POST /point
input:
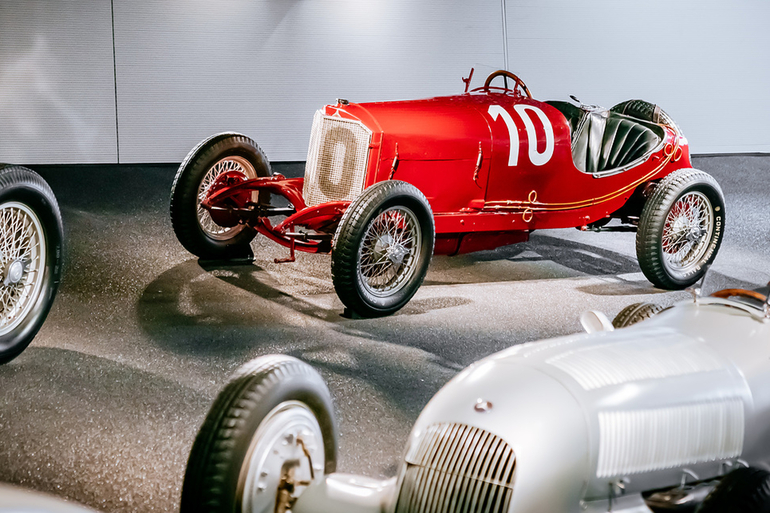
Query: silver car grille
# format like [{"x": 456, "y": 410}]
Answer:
[
  {"x": 336, "y": 160},
  {"x": 455, "y": 468}
]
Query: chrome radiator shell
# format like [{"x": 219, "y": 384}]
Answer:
[
  {"x": 456, "y": 468},
  {"x": 337, "y": 158}
]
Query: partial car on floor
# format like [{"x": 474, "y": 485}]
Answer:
[
  {"x": 31, "y": 236},
  {"x": 671, "y": 407},
  {"x": 389, "y": 184}
]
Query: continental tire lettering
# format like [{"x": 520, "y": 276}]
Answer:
[
  {"x": 537, "y": 159},
  {"x": 715, "y": 240},
  {"x": 513, "y": 132}
]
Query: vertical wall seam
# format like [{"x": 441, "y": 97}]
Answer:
[
  {"x": 505, "y": 34},
  {"x": 115, "y": 80}
]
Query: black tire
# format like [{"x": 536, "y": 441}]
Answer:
[
  {"x": 677, "y": 190},
  {"x": 352, "y": 246},
  {"x": 195, "y": 230},
  {"x": 744, "y": 490},
  {"x": 634, "y": 313},
  {"x": 216, "y": 473},
  {"x": 26, "y": 295}
]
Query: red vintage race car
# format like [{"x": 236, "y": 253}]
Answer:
[{"x": 388, "y": 184}]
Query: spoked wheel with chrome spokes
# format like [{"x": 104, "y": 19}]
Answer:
[
  {"x": 389, "y": 252},
  {"x": 22, "y": 257},
  {"x": 687, "y": 231},
  {"x": 228, "y": 164},
  {"x": 382, "y": 249},
  {"x": 680, "y": 229},
  {"x": 30, "y": 257},
  {"x": 270, "y": 434},
  {"x": 232, "y": 154}
]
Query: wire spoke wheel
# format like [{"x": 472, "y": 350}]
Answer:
[
  {"x": 22, "y": 262},
  {"x": 680, "y": 229},
  {"x": 224, "y": 165},
  {"x": 389, "y": 251},
  {"x": 687, "y": 232},
  {"x": 382, "y": 248},
  {"x": 193, "y": 225}
]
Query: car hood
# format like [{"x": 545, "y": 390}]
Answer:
[
  {"x": 421, "y": 126},
  {"x": 641, "y": 402}
]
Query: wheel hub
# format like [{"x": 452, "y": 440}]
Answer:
[
  {"x": 695, "y": 234},
  {"x": 14, "y": 273},
  {"x": 387, "y": 248}
]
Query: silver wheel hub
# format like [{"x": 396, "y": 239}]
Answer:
[
  {"x": 13, "y": 273},
  {"x": 286, "y": 455}
]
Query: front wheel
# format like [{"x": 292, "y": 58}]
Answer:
[
  {"x": 382, "y": 249},
  {"x": 680, "y": 229},
  {"x": 193, "y": 225},
  {"x": 31, "y": 236},
  {"x": 744, "y": 490},
  {"x": 269, "y": 435}
]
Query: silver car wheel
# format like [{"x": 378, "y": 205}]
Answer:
[
  {"x": 225, "y": 165},
  {"x": 283, "y": 449},
  {"x": 687, "y": 232},
  {"x": 22, "y": 261},
  {"x": 389, "y": 251}
]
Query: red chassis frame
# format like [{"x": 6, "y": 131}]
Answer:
[{"x": 487, "y": 204}]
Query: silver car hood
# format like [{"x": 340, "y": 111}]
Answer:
[{"x": 637, "y": 404}]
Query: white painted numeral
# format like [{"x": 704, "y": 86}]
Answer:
[
  {"x": 537, "y": 158},
  {"x": 513, "y": 132}
]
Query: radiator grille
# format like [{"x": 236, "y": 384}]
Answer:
[
  {"x": 336, "y": 160},
  {"x": 455, "y": 468},
  {"x": 646, "y": 440}
]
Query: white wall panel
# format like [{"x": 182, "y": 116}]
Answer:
[
  {"x": 189, "y": 68},
  {"x": 706, "y": 62},
  {"x": 186, "y": 69},
  {"x": 57, "y": 96}
]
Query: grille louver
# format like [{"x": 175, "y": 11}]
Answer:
[
  {"x": 456, "y": 468},
  {"x": 336, "y": 160}
]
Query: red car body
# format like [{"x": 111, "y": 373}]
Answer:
[
  {"x": 389, "y": 184},
  {"x": 494, "y": 166}
]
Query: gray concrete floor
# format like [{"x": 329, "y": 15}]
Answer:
[{"x": 103, "y": 407}]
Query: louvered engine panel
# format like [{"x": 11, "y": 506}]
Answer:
[
  {"x": 454, "y": 468},
  {"x": 336, "y": 160},
  {"x": 646, "y": 440}
]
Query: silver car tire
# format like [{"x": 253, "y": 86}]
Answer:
[{"x": 270, "y": 432}]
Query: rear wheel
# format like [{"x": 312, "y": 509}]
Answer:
[
  {"x": 744, "y": 490},
  {"x": 31, "y": 237},
  {"x": 634, "y": 313},
  {"x": 193, "y": 225},
  {"x": 383, "y": 247},
  {"x": 269, "y": 435},
  {"x": 680, "y": 229}
]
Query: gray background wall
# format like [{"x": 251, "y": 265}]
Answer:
[{"x": 100, "y": 81}]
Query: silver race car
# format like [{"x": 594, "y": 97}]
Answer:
[{"x": 654, "y": 416}]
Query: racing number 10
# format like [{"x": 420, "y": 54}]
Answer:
[{"x": 537, "y": 158}]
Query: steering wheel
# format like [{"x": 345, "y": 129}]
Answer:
[
  {"x": 519, "y": 83},
  {"x": 724, "y": 294}
]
